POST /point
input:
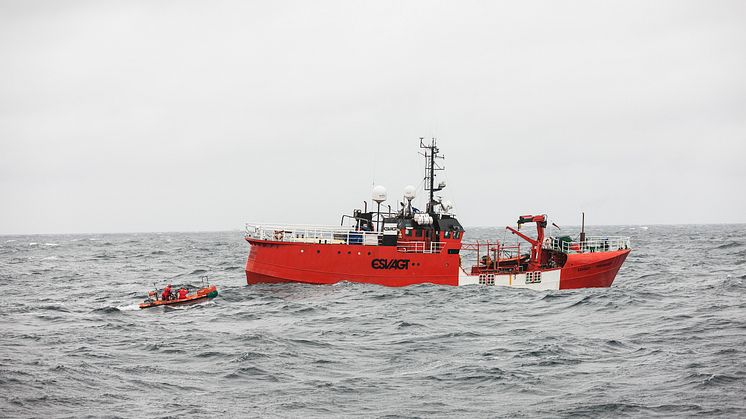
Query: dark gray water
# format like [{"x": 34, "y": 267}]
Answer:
[{"x": 668, "y": 338}]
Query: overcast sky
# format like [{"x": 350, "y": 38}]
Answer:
[{"x": 121, "y": 116}]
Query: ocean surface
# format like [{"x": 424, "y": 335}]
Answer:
[{"x": 667, "y": 339}]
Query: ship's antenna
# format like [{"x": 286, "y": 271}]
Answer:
[{"x": 431, "y": 153}]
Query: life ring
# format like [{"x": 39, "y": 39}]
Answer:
[{"x": 279, "y": 234}]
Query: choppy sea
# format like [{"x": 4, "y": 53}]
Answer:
[{"x": 667, "y": 339}]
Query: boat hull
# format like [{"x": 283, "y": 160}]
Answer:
[
  {"x": 201, "y": 295},
  {"x": 273, "y": 262},
  {"x": 582, "y": 270},
  {"x": 279, "y": 262},
  {"x": 592, "y": 270}
]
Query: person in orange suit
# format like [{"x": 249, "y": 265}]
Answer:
[
  {"x": 182, "y": 293},
  {"x": 166, "y": 295}
]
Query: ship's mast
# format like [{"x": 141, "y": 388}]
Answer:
[{"x": 431, "y": 153}]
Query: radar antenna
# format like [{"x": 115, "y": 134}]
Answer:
[{"x": 431, "y": 154}]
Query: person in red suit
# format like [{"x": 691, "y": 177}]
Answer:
[{"x": 166, "y": 295}]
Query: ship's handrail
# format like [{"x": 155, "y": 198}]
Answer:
[
  {"x": 333, "y": 235},
  {"x": 312, "y": 234},
  {"x": 590, "y": 245},
  {"x": 420, "y": 247}
]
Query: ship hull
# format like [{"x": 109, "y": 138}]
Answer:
[
  {"x": 275, "y": 262},
  {"x": 582, "y": 270},
  {"x": 592, "y": 270},
  {"x": 312, "y": 263}
]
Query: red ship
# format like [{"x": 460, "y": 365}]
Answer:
[{"x": 410, "y": 246}]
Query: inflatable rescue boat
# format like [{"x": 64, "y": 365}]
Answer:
[{"x": 205, "y": 293}]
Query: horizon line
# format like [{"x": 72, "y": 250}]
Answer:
[{"x": 239, "y": 229}]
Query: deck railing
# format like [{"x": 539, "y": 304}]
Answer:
[
  {"x": 497, "y": 251},
  {"x": 333, "y": 235},
  {"x": 312, "y": 234},
  {"x": 590, "y": 245}
]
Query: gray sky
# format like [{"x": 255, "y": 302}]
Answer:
[{"x": 120, "y": 116}]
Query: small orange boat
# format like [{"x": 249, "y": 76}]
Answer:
[{"x": 210, "y": 291}]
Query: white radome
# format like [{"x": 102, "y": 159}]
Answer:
[
  {"x": 409, "y": 192},
  {"x": 379, "y": 193}
]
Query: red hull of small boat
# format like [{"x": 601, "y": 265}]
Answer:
[{"x": 200, "y": 295}]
